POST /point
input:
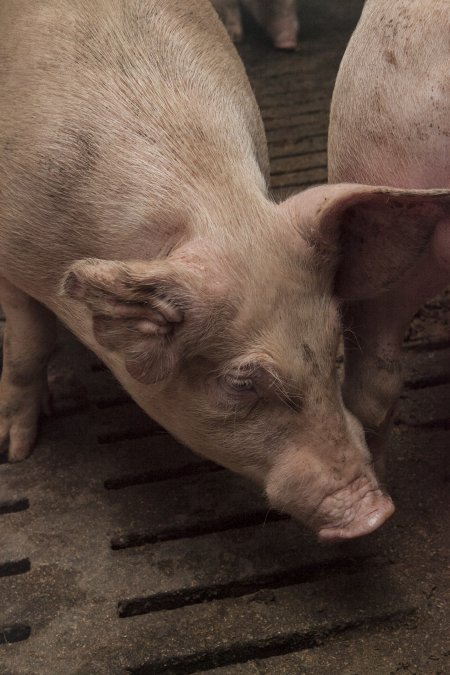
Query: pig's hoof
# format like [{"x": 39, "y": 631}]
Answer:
[
  {"x": 284, "y": 32},
  {"x": 286, "y": 44},
  {"x": 17, "y": 436},
  {"x": 19, "y": 424}
]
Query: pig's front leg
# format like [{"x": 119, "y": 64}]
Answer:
[
  {"x": 373, "y": 379},
  {"x": 373, "y": 337},
  {"x": 28, "y": 342}
]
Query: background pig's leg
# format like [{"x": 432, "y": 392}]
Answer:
[
  {"x": 282, "y": 23},
  {"x": 230, "y": 13},
  {"x": 28, "y": 342},
  {"x": 374, "y": 331},
  {"x": 279, "y": 19}
]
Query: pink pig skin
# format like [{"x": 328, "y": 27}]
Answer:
[
  {"x": 390, "y": 124},
  {"x": 134, "y": 206}
]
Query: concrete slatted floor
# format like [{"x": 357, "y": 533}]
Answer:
[{"x": 121, "y": 551}]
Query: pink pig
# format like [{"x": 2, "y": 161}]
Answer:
[
  {"x": 134, "y": 206},
  {"x": 390, "y": 124}
]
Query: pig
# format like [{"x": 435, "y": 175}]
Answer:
[
  {"x": 278, "y": 18},
  {"x": 135, "y": 208},
  {"x": 390, "y": 124}
]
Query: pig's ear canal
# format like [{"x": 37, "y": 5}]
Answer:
[
  {"x": 380, "y": 233},
  {"x": 138, "y": 309}
]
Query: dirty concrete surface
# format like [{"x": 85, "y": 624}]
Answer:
[{"x": 120, "y": 551}]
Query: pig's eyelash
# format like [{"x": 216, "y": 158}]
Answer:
[
  {"x": 294, "y": 402},
  {"x": 291, "y": 399},
  {"x": 239, "y": 383}
]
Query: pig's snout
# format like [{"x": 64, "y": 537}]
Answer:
[
  {"x": 336, "y": 509},
  {"x": 358, "y": 509}
]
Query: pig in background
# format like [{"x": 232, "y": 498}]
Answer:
[
  {"x": 278, "y": 18},
  {"x": 390, "y": 124},
  {"x": 134, "y": 206}
]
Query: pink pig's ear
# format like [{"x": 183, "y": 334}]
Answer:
[
  {"x": 378, "y": 233},
  {"x": 138, "y": 309}
]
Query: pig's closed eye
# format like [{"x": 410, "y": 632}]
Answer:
[{"x": 239, "y": 383}]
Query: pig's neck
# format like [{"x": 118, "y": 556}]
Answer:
[
  {"x": 235, "y": 214},
  {"x": 227, "y": 198}
]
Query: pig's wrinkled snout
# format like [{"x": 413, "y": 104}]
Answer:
[
  {"x": 337, "y": 509},
  {"x": 359, "y": 508}
]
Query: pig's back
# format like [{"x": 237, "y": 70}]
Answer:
[
  {"x": 112, "y": 113},
  {"x": 138, "y": 56},
  {"x": 390, "y": 117}
]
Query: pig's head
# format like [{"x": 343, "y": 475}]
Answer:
[{"x": 233, "y": 347}]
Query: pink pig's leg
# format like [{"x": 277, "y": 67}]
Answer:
[
  {"x": 27, "y": 345},
  {"x": 230, "y": 13},
  {"x": 282, "y": 24},
  {"x": 278, "y": 18},
  {"x": 374, "y": 331}
]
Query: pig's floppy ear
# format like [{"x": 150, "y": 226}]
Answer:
[
  {"x": 379, "y": 232},
  {"x": 138, "y": 309}
]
